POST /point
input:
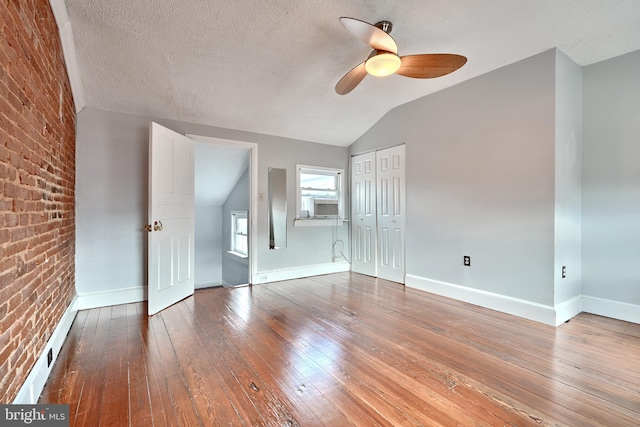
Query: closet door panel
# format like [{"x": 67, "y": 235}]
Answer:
[
  {"x": 390, "y": 180},
  {"x": 363, "y": 214}
]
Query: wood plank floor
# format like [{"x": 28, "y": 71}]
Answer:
[{"x": 339, "y": 350}]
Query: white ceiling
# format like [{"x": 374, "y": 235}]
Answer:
[
  {"x": 270, "y": 66},
  {"x": 217, "y": 170}
]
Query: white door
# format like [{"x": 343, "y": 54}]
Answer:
[
  {"x": 390, "y": 183},
  {"x": 171, "y": 218},
  {"x": 363, "y": 213}
]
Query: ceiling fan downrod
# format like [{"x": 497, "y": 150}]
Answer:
[{"x": 385, "y": 26}]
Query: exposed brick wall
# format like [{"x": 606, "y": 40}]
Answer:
[{"x": 37, "y": 181}]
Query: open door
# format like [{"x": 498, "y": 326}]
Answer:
[{"x": 171, "y": 218}]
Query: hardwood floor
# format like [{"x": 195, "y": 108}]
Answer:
[{"x": 338, "y": 350}]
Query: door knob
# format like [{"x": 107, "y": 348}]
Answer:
[
  {"x": 157, "y": 226},
  {"x": 148, "y": 228}
]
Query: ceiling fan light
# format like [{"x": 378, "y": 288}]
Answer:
[{"x": 383, "y": 64}]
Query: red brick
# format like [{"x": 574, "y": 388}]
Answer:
[
  {"x": 7, "y": 277},
  {"x": 37, "y": 149},
  {"x": 8, "y": 350},
  {"x": 18, "y": 205},
  {"x": 11, "y": 219},
  {"x": 14, "y": 302}
]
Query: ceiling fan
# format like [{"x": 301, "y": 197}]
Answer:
[{"x": 384, "y": 59}]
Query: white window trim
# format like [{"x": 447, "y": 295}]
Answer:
[
  {"x": 311, "y": 222},
  {"x": 233, "y": 251}
]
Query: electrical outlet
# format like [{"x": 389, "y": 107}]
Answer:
[
  {"x": 466, "y": 260},
  {"x": 564, "y": 271},
  {"x": 49, "y": 357}
]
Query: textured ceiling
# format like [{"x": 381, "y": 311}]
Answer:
[{"x": 270, "y": 66}]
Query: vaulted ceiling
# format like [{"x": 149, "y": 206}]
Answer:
[{"x": 270, "y": 66}]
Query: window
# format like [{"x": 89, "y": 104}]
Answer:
[
  {"x": 319, "y": 193},
  {"x": 239, "y": 234}
]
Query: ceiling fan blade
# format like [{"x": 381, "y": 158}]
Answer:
[
  {"x": 351, "y": 79},
  {"x": 370, "y": 34},
  {"x": 430, "y": 65}
]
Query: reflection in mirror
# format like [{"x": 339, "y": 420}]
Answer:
[{"x": 277, "y": 208}]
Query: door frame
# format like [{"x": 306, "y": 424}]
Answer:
[{"x": 252, "y": 147}]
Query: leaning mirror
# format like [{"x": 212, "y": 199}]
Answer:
[{"x": 277, "y": 208}]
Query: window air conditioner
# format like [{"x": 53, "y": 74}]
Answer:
[{"x": 325, "y": 208}]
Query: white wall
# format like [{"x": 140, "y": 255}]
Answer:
[
  {"x": 111, "y": 201},
  {"x": 568, "y": 155},
  {"x": 480, "y": 181},
  {"x": 611, "y": 187},
  {"x": 526, "y": 169},
  {"x": 208, "y": 245},
  {"x": 111, "y": 198},
  {"x": 235, "y": 270},
  {"x": 492, "y": 167},
  {"x": 306, "y": 246}
]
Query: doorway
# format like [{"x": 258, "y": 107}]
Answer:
[
  {"x": 171, "y": 226},
  {"x": 225, "y": 199}
]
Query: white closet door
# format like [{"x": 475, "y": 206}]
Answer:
[
  {"x": 391, "y": 204},
  {"x": 363, "y": 213}
]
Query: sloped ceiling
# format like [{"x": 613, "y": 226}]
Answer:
[
  {"x": 217, "y": 171},
  {"x": 270, "y": 66}
]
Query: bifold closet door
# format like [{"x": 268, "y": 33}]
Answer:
[{"x": 378, "y": 213}]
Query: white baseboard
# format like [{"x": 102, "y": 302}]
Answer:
[
  {"x": 505, "y": 304},
  {"x": 299, "y": 272},
  {"x": 33, "y": 385},
  {"x": 568, "y": 309},
  {"x": 89, "y": 300},
  {"x": 609, "y": 308}
]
